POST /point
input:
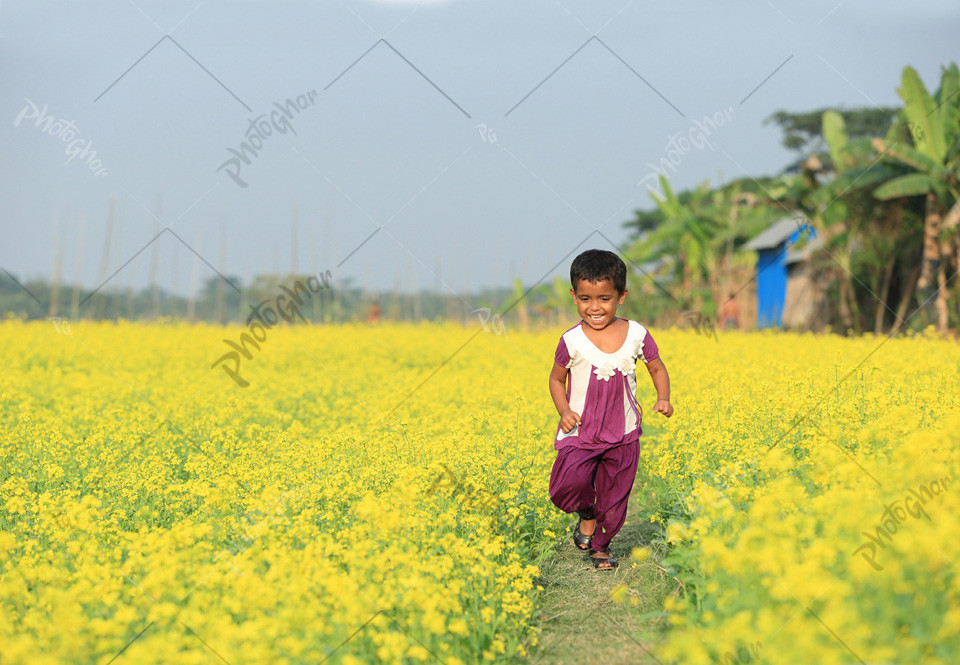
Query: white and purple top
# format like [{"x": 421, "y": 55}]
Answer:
[{"x": 603, "y": 387}]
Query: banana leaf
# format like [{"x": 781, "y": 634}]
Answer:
[
  {"x": 948, "y": 98},
  {"x": 855, "y": 179},
  {"x": 908, "y": 155},
  {"x": 914, "y": 184},
  {"x": 921, "y": 111}
]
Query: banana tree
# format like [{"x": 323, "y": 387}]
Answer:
[
  {"x": 927, "y": 146},
  {"x": 682, "y": 243},
  {"x": 695, "y": 242},
  {"x": 856, "y": 228},
  {"x": 553, "y": 300}
]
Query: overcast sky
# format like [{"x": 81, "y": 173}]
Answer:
[{"x": 456, "y": 144}]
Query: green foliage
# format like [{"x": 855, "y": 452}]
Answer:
[
  {"x": 914, "y": 184},
  {"x": 697, "y": 235},
  {"x": 934, "y": 148},
  {"x": 921, "y": 111},
  {"x": 864, "y": 193},
  {"x": 803, "y": 132},
  {"x": 835, "y": 133}
]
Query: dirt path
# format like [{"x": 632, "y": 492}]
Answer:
[{"x": 582, "y": 623}]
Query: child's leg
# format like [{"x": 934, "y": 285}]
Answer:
[
  {"x": 571, "y": 480},
  {"x": 614, "y": 481}
]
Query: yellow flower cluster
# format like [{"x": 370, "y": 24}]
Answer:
[
  {"x": 374, "y": 495},
  {"x": 805, "y": 484},
  {"x": 379, "y": 495}
]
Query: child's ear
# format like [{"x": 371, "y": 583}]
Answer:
[{"x": 622, "y": 296}]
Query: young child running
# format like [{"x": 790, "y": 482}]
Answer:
[{"x": 598, "y": 440}]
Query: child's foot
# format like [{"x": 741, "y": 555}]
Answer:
[
  {"x": 583, "y": 534},
  {"x": 602, "y": 559}
]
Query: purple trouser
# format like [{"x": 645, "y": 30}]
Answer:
[{"x": 597, "y": 481}]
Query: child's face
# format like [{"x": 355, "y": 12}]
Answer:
[{"x": 597, "y": 303}]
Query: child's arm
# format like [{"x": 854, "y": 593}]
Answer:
[
  {"x": 661, "y": 381},
  {"x": 558, "y": 390}
]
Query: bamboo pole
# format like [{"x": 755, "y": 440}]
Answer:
[
  {"x": 221, "y": 285},
  {"x": 194, "y": 279},
  {"x": 417, "y": 303},
  {"x": 338, "y": 292},
  {"x": 75, "y": 299},
  {"x": 55, "y": 286},
  {"x": 174, "y": 283},
  {"x": 314, "y": 270},
  {"x": 105, "y": 258},
  {"x": 154, "y": 261},
  {"x": 128, "y": 309},
  {"x": 293, "y": 242},
  {"x": 395, "y": 298}
]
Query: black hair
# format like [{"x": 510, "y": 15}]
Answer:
[{"x": 596, "y": 265}]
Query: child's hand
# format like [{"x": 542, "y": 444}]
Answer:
[
  {"x": 663, "y": 406},
  {"x": 569, "y": 420}
]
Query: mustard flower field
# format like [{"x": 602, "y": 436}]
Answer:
[{"x": 378, "y": 494}]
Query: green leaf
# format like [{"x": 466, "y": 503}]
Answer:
[
  {"x": 860, "y": 150},
  {"x": 914, "y": 184},
  {"x": 835, "y": 133},
  {"x": 948, "y": 98},
  {"x": 666, "y": 200},
  {"x": 920, "y": 109},
  {"x": 836, "y": 212},
  {"x": 903, "y": 153},
  {"x": 856, "y": 179}
]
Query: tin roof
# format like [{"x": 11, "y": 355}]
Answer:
[
  {"x": 778, "y": 232},
  {"x": 812, "y": 243}
]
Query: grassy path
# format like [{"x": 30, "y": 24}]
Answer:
[{"x": 582, "y": 623}]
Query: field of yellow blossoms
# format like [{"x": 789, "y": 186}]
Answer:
[{"x": 378, "y": 495}]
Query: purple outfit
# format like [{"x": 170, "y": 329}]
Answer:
[{"x": 597, "y": 460}]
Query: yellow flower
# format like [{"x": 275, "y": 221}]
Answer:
[
  {"x": 619, "y": 593},
  {"x": 283, "y": 522},
  {"x": 640, "y": 553}
]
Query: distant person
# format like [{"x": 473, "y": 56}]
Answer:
[
  {"x": 593, "y": 384},
  {"x": 374, "y": 314},
  {"x": 730, "y": 313}
]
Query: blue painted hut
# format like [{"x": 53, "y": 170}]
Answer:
[{"x": 777, "y": 256}]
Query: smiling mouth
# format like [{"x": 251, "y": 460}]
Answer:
[{"x": 597, "y": 317}]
